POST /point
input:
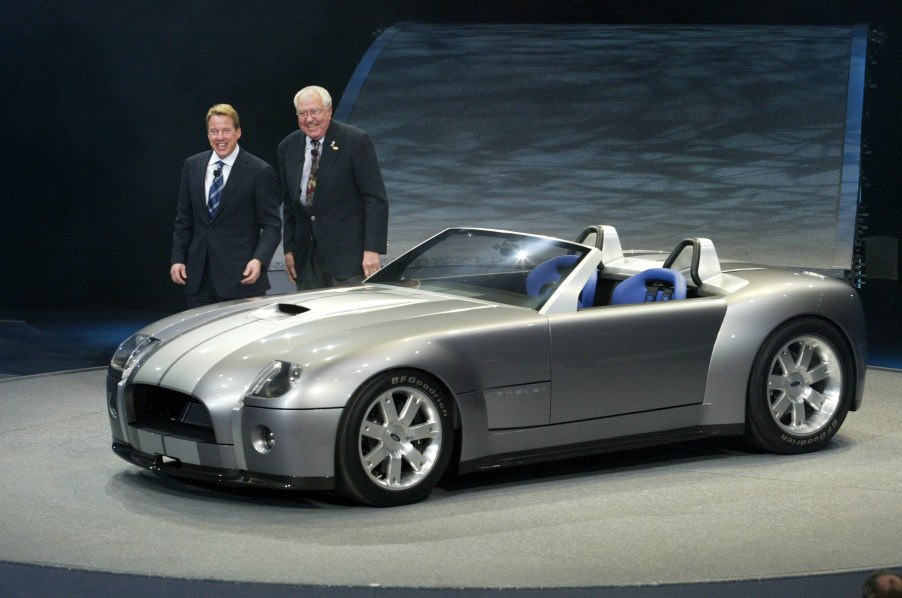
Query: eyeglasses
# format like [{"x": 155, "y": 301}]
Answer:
[{"x": 314, "y": 112}]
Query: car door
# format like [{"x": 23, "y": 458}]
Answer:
[{"x": 623, "y": 359}]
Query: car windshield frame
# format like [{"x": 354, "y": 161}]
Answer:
[{"x": 486, "y": 264}]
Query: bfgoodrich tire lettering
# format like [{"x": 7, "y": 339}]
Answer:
[
  {"x": 395, "y": 439},
  {"x": 799, "y": 391}
]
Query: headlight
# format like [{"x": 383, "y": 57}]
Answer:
[
  {"x": 130, "y": 350},
  {"x": 275, "y": 380}
]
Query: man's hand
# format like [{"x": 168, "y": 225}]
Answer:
[
  {"x": 179, "y": 274},
  {"x": 289, "y": 267},
  {"x": 252, "y": 272},
  {"x": 371, "y": 263}
]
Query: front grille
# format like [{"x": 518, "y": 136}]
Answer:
[
  {"x": 196, "y": 414},
  {"x": 171, "y": 413}
]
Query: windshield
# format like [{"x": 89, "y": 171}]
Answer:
[{"x": 498, "y": 266}]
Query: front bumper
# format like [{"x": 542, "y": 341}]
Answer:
[
  {"x": 223, "y": 445},
  {"x": 226, "y": 477}
]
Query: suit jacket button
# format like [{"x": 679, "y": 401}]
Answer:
[{"x": 313, "y": 219}]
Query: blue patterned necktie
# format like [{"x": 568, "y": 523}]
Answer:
[{"x": 215, "y": 190}]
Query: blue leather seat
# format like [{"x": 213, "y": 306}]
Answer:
[
  {"x": 550, "y": 272},
  {"x": 654, "y": 284}
]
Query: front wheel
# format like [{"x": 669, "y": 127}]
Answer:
[
  {"x": 395, "y": 440},
  {"x": 800, "y": 388}
]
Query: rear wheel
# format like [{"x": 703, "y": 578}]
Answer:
[
  {"x": 395, "y": 440},
  {"x": 800, "y": 389}
]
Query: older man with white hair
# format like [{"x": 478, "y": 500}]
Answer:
[{"x": 335, "y": 205}]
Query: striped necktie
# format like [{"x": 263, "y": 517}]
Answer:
[
  {"x": 215, "y": 190},
  {"x": 314, "y": 166}
]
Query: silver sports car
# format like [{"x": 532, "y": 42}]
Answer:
[{"x": 483, "y": 348}]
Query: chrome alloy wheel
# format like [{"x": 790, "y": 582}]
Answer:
[
  {"x": 400, "y": 438},
  {"x": 804, "y": 385}
]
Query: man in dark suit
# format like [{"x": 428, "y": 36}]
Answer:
[
  {"x": 227, "y": 221},
  {"x": 335, "y": 206}
]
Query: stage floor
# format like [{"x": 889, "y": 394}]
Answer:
[{"x": 700, "y": 513}]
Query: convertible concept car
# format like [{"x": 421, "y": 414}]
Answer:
[{"x": 482, "y": 348}]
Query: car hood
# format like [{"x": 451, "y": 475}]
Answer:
[{"x": 215, "y": 353}]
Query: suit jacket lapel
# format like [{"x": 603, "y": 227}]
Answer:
[
  {"x": 297, "y": 174},
  {"x": 198, "y": 178},
  {"x": 234, "y": 182},
  {"x": 329, "y": 154}
]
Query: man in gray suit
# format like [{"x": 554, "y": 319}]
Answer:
[
  {"x": 335, "y": 205},
  {"x": 227, "y": 224}
]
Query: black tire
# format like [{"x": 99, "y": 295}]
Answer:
[
  {"x": 395, "y": 440},
  {"x": 800, "y": 388}
]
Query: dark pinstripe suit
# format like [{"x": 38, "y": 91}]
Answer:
[{"x": 247, "y": 226}]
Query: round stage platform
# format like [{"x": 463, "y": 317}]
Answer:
[{"x": 690, "y": 519}]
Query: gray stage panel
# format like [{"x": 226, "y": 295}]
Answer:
[
  {"x": 694, "y": 513},
  {"x": 735, "y": 133}
]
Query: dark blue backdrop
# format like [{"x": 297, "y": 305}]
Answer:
[{"x": 102, "y": 103}]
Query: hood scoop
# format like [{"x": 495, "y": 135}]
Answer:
[
  {"x": 292, "y": 309},
  {"x": 279, "y": 311},
  {"x": 328, "y": 303}
]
